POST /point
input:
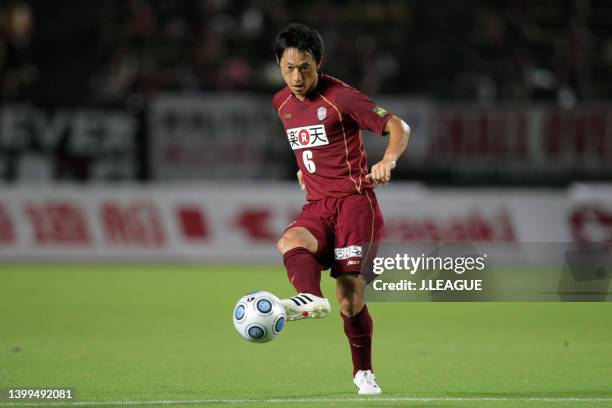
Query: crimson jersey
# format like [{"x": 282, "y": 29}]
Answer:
[{"x": 324, "y": 131}]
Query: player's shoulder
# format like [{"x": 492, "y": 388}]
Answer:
[
  {"x": 280, "y": 97},
  {"x": 332, "y": 85},
  {"x": 338, "y": 90}
]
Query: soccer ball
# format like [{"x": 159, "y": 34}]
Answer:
[{"x": 259, "y": 316}]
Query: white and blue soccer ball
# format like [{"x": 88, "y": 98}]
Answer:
[{"x": 259, "y": 317}]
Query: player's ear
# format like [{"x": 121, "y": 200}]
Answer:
[{"x": 320, "y": 63}]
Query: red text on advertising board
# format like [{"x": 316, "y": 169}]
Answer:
[
  {"x": 58, "y": 222},
  {"x": 137, "y": 223}
]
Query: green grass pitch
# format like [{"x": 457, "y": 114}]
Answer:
[{"x": 162, "y": 335}]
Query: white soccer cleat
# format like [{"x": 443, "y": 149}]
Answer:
[
  {"x": 305, "y": 305},
  {"x": 365, "y": 381}
]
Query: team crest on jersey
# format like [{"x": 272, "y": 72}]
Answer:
[
  {"x": 321, "y": 113},
  {"x": 307, "y": 136}
]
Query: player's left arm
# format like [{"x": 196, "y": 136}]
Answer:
[{"x": 399, "y": 133}]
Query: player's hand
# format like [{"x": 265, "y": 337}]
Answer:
[
  {"x": 380, "y": 173},
  {"x": 301, "y": 180}
]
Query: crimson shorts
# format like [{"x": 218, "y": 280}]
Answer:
[{"x": 347, "y": 230}]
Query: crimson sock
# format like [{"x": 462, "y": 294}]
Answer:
[
  {"x": 358, "y": 330},
  {"x": 303, "y": 270}
]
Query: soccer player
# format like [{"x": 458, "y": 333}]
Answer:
[{"x": 341, "y": 224}]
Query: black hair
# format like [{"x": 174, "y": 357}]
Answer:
[{"x": 301, "y": 37}]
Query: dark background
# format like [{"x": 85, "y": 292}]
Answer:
[{"x": 121, "y": 55}]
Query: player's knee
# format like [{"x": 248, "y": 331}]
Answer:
[
  {"x": 283, "y": 245},
  {"x": 346, "y": 307},
  {"x": 351, "y": 305},
  {"x": 292, "y": 239}
]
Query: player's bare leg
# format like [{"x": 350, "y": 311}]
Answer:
[
  {"x": 358, "y": 325},
  {"x": 298, "y": 246},
  {"x": 297, "y": 237}
]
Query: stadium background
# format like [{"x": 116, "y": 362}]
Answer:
[{"x": 145, "y": 172}]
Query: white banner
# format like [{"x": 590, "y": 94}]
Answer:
[{"x": 241, "y": 223}]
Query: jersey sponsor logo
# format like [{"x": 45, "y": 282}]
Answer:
[
  {"x": 287, "y": 116},
  {"x": 380, "y": 111},
  {"x": 306, "y": 137},
  {"x": 321, "y": 113},
  {"x": 353, "y": 251}
]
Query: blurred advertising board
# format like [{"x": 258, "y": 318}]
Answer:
[
  {"x": 241, "y": 223},
  {"x": 214, "y": 137},
  {"x": 39, "y": 144},
  {"x": 527, "y": 141},
  {"x": 238, "y": 136}
]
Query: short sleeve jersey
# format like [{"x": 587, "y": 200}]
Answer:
[{"x": 324, "y": 131}]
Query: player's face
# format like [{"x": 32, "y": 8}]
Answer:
[{"x": 300, "y": 71}]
